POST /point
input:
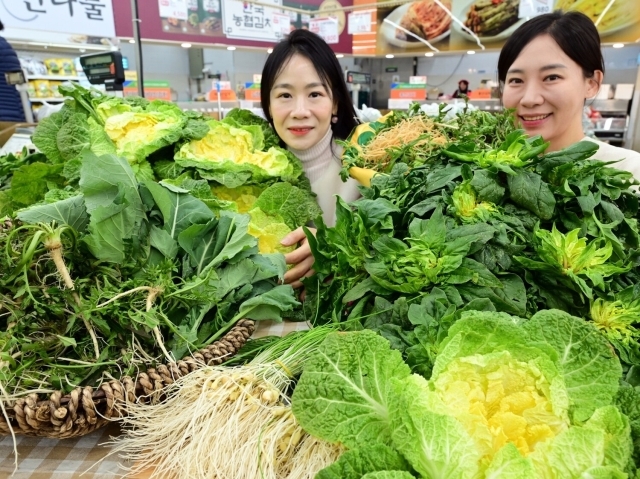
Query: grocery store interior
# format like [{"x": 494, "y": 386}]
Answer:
[{"x": 187, "y": 68}]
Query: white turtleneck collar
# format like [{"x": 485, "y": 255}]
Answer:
[{"x": 316, "y": 159}]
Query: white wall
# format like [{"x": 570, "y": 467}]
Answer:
[
  {"x": 444, "y": 72},
  {"x": 163, "y": 62},
  {"x": 621, "y": 64},
  {"x": 235, "y": 66}
]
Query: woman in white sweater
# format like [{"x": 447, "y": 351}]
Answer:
[
  {"x": 548, "y": 69},
  {"x": 305, "y": 99}
]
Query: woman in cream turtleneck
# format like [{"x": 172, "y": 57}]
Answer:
[{"x": 305, "y": 98}]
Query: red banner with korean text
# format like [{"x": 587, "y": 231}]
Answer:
[{"x": 228, "y": 22}]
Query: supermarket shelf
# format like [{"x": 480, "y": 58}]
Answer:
[
  {"x": 53, "y": 77},
  {"x": 48, "y": 100}
]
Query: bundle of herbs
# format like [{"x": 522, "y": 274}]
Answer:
[
  {"x": 123, "y": 273},
  {"x": 413, "y": 137},
  {"x": 485, "y": 225}
]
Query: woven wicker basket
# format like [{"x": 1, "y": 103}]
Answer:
[{"x": 85, "y": 409}]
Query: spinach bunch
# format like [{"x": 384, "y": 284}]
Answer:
[{"x": 499, "y": 226}]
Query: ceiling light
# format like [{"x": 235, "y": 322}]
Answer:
[
  {"x": 270, "y": 50},
  {"x": 389, "y": 55},
  {"x": 186, "y": 45},
  {"x": 428, "y": 54},
  {"x": 132, "y": 41},
  {"x": 231, "y": 48},
  {"x": 471, "y": 52},
  {"x": 618, "y": 45},
  {"x": 339, "y": 55}
]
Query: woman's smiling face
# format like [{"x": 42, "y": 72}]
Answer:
[
  {"x": 301, "y": 104},
  {"x": 548, "y": 90}
]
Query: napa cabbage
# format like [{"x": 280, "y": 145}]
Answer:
[
  {"x": 507, "y": 398},
  {"x": 233, "y": 155}
]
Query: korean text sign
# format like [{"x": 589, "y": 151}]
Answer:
[{"x": 88, "y": 17}]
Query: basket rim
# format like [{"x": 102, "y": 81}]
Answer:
[{"x": 76, "y": 413}]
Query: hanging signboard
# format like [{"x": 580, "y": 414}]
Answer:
[
  {"x": 173, "y": 9},
  {"x": 533, "y": 8},
  {"x": 250, "y": 22},
  {"x": 230, "y": 22},
  {"x": 282, "y": 23},
  {"x": 327, "y": 28},
  {"x": 88, "y": 17},
  {"x": 359, "y": 22}
]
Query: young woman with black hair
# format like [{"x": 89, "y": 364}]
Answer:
[
  {"x": 548, "y": 69},
  {"x": 305, "y": 98}
]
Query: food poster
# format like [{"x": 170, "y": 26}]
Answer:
[
  {"x": 419, "y": 26},
  {"x": 423, "y": 25},
  {"x": 246, "y": 24},
  {"x": 494, "y": 21}
]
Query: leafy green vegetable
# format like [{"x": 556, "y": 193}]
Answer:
[
  {"x": 240, "y": 118},
  {"x": 46, "y": 135},
  {"x": 31, "y": 182},
  {"x": 387, "y": 475},
  {"x": 529, "y": 191},
  {"x": 360, "y": 416},
  {"x": 115, "y": 207},
  {"x": 69, "y": 212},
  {"x": 507, "y": 397},
  {"x": 233, "y": 156},
  {"x": 179, "y": 209},
  {"x": 356, "y": 463},
  {"x": 628, "y": 400},
  {"x": 295, "y": 205},
  {"x": 467, "y": 207},
  {"x": 139, "y": 132},
  {"x": 564, "y": 235}
]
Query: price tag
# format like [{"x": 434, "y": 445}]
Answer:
[
  {"x": 281, "y": 24},
  {"x": 359, "y": 22},
  {"x": 221, "y": 85},
  {"x": 327, "y": 28},
  {"x": 533, "y": 8},
  {"x": 173, "y": 9},
  {"x": 421, "y": 80}
]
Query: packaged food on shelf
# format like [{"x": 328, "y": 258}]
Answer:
[
  {"x": 43, "y": 88},
  {"x": 31, "y": 89},
  {"x": 67, "y": 67},
  {"x": 54, "y": 67},
  {"x": 33, "y": 66},
  {"x": 53, "y": 86}
]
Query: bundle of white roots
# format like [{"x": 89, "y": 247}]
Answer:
[{"x": 223, "y": 423}]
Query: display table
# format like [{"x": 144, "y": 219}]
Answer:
[{"x": 43, "y": 458}]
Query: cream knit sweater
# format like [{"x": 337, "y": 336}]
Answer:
[{"x": 321, "y": 164}]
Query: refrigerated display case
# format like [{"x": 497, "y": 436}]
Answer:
[{"x": 611, "y": 124}]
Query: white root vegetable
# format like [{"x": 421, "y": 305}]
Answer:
[
  {"x": 229, "y": 422},
  {"x": 223, "y": 423},
  {"x": 54, "y": 246}
]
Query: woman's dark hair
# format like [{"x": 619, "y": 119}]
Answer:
[
  {"x": 1, "y": 26},
  {"x": 574, "y": 33},
  {"x": 316, "y": 50}
]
